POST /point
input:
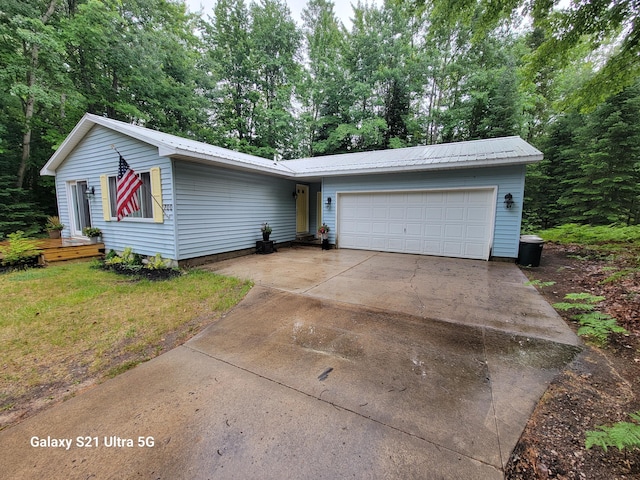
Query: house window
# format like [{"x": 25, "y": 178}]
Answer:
[{"x": 145, "y": 200}]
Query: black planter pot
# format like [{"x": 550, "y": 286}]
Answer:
[{"x": 265, "y": 236}]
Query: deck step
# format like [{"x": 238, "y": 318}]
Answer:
[{"x": 72, "y": 252}]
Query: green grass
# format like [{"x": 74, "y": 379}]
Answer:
[{"x": 71, "y": 320}]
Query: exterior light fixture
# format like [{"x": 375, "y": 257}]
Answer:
[
  {"x": 90, "y": 192},
  {"x": 294, "y": 194},
  {"x": 508, "y": 200},
  {"x": 329, "y": 201}
]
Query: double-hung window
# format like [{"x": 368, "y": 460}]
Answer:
[
  {"x": 149, "y": 197},
  {"x": 145, "y": 199}
]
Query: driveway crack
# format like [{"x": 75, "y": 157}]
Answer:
[{"x": 413, "y": 287}]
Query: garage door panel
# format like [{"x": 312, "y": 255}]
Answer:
[
  {"x": 453, "y": 214},
  {"x": 415, "y": 212},
  {"x": 378, "y": 243},
  {"x": 363, "y": 212},
  {"x": 397, "y": 213},
  {"x": 475, "y": 232},
  {"x": 446, "y": 223},
  {"x": 363, "y": 227},
  {"x": 433, "y": 231},
  {"x": 396, "y": 228},
  {"x": 381, "y": 212},
  {"x": 415, "y": 229},
  {"x": 453, "y": 231},
  {"x": 396, "y": 244},
  {"x": 379, "y": 228},
  {"x": 455, "y": 196}
]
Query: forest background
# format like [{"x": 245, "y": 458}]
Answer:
[{"x": 245, "y": 76}]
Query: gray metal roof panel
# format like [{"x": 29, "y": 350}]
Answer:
[{"x": 490, "y": 152}]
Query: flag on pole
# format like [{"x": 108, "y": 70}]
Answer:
[{"x": 127, "y": 185}]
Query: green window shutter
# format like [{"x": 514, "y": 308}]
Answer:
[
  {"x": 156, "y": 193},
  {"x": 104, "y": 191}
]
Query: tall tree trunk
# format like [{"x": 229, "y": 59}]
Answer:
[{"x": 30, "y": 103}]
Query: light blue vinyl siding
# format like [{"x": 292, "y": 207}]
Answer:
[
  {"x": 507, "y": 179},
  {"x": 221, "y": 210},
  {"x": 94, "y": 157}
]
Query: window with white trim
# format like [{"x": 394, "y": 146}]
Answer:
[{"x": 145, "y": 200}]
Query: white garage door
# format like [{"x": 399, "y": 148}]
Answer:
[{"x": 451, "y": 223}]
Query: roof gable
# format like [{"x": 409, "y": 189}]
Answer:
[{"x": 476, "y": 153}]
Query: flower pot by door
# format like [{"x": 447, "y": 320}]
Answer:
[
  {"x": 54, "y": 233},
  {"x": 265, "y": 236}
]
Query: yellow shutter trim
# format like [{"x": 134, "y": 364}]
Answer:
[
  {"x": 156, "y": 193},
  {"x": 104, "y": 191}
]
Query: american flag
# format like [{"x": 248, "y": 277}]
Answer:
[{"x": 127, "y": 185}]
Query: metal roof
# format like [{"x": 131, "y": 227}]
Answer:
[{"x": 476, "y": 153}]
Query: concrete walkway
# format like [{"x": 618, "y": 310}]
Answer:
[{"x": 337, "y": 364}]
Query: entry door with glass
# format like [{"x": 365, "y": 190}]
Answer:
[{"x": 81, "y": 212}]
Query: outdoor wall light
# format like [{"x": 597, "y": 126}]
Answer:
[
  {"x": 294, "y": 194},
  {"x": 508, "y": 200},
  {"x": 90, "y": 192},
  {"x": 329, "y": 201}
]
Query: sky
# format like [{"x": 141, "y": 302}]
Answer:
[{"x": 342, "y": 8}]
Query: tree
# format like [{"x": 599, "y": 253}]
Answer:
[
  {"x": 136, "y": 61},
  {"x": 276, "y": 42},
  {"x": 229, "y": 64},
  {"x": 324, "y": 92},
  {"x": 605, "y": 187},
  {"x": 597, "y": 23}
]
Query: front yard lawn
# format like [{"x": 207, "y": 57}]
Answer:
[{"x": 67, "y": 326}]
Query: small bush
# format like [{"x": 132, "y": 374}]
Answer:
[
  {"x": 20, "y": 252},
  {"x": 157, "y": 263},
  {"x": 130, "y": 263}
]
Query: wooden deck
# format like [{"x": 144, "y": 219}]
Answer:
[{"x": 57, "y": 250}]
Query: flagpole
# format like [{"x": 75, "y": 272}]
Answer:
[{"x": 164, "y": 213}]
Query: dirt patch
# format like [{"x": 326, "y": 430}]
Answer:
[{"x": 601, "y": 386}]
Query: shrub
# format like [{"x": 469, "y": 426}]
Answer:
[
  {"x": 157, "y": 263},
  {"x": 130, "y": 263},
  {"x": 20, "y": 251}
]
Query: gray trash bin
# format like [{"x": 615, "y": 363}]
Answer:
[{"x": 530, "y": 250}]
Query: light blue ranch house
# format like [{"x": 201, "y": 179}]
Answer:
[{"x": 200, "y": 202}]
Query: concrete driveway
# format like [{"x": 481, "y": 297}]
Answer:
[{"x": 337, "y": 364}]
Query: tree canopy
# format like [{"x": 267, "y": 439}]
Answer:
[{"x": 246, "y": 76}]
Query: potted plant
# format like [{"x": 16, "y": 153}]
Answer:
[
  {"x": 323, "y": 230},
  {"x": 266, "y": 231},
  {"x": 93, "y": 233},
  {"x": 54, "y": 227}
]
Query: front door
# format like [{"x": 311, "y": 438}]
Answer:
[
  {"x": 302, "y": 209},
  {"x": 81, "y": 213}
]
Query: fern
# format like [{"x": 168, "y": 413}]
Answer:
[
  {"x": 621, "y": 435},
  {"x": 591, "y": 299},
  {"x": 564, "y": 306},
  {"x": 540, "y": 283},
  {"x": 595, "y": 325},
  {"x": 587, "y": 304},
  {"x": 598, "y": 326}
]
